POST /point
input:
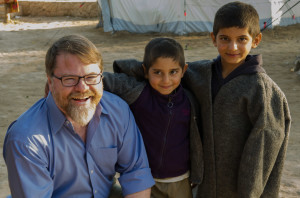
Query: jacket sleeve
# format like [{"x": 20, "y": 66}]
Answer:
[
  {"x": 130, "y": 67},
  {"x": 126, "y": 87},
  {"x": 264, "y": 152},
  {"x": 196, "y": 148}
]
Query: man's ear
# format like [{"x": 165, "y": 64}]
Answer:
[
  {"x": 47, "y": 87},
  {"x": 256, "y": 40},
  {"x": 213, "y": 38},
  {"x": 184, "y": 69},
  {"x": 145, "y": 71},
  {"x": 49, "y": 82}
]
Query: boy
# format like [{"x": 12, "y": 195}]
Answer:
[
  {"x": 166, "y": 115},
  {"x": 246, "y": 119}
]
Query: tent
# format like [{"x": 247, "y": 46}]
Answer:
[{"x": 186, "y": 16}]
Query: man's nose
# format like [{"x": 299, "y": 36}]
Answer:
[{"x": 81, "y": 85}]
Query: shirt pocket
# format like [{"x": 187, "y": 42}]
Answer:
[{"x": 105, "y": 159}]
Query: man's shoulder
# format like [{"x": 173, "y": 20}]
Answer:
[
  {"x": 115, "y": 111},
  {"x": 111, "y": 100},
  {"x": 31, "y": 122}
]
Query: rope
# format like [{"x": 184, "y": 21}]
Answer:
[
  {"x": 279, "y": 16},
  {"x": 270, "y": 19}
]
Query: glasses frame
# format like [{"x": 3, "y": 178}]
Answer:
[{"x": 79, "y": 77}]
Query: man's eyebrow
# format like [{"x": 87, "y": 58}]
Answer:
[{"x": 92, "y": 73}]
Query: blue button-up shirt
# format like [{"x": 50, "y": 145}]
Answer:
[{"x": 46, "y": 158}]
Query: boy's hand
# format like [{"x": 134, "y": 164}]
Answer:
[{"x": 193, "y": 185}]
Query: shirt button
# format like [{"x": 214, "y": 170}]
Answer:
[
  {"x": 95, "y": 191},
  {"x": 92, "y": 171}
]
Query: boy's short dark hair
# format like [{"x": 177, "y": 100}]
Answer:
[
  {"x": 237, "y": 14},
  {"x": 163, "y": 48}
]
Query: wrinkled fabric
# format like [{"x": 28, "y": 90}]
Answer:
[
  {"x": 131, "y": 73},
  {"x": 12, "y": 6},
  {"x": 45, "y": 157},
  {"x": 164, "y": 124},
  {"x": 252, "y": 65}
]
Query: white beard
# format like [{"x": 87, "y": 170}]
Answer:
[{"x": 81, "y": 115}]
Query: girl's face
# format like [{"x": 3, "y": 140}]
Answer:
[{"x": 165, "y": 75}]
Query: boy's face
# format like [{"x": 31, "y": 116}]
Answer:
[
  {"x": 234, "y": 44},
  {"x": 165, "y": 75}
]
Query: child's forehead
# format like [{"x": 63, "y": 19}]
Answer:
[
  {"x": 165, "y": 62},
  {"x": 165, "y": 59},
  {"x": 234, "y": 31}
]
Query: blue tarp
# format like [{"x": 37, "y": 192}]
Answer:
[{"x": 186, "y": 16}]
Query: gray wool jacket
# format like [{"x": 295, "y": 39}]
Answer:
[
  {"x": 245, "y": 134},
  {"x": 128, "y": 82}
]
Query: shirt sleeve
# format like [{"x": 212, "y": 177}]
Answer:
[
  {"x": 27, "y": 168},
  {"x": 132, "y": 164},
  {"x": 264, "y": 152}
]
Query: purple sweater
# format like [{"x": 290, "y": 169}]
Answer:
[{"x": 164, "y": 124}]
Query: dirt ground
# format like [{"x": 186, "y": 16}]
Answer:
[{"x": 23, "y": 46}]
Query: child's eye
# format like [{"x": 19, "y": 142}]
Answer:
[
  {"x": 243, "y": 39},
  {"x": 157, "y": 72},
  {"x": 173, "y": 72},
  {"x": 224, "y": 38}
]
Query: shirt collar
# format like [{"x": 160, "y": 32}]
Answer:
[{"x": 57, "y": 118}]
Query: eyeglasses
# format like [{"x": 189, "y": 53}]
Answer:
[{"x": 70, "y": 81}]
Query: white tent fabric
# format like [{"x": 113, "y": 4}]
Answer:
[{"x": 187, "y": 16}]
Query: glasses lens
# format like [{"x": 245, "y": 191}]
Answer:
[
  {"x": 69, "y": 80},
  {"x": 92, "y": 79}
]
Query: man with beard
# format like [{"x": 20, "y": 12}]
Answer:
[{"x": 71, "y": 143}]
